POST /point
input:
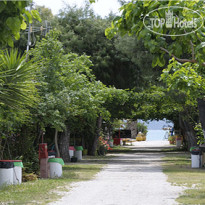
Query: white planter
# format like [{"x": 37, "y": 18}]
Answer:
[
  {"x": 17, "y": 175},
  {"x": 195, "y": 161},
  {"x": 6, "y": 176},
  {"x": 71, "y": 153},
  {"x": 178, "y": 143},
  {"x": 79, "y": 155},
  {"x": 55, "y": 169}
]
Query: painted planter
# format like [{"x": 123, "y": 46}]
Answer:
[
  {"x": 195, "y": 161},
  {"x": 17, "y": 175},
  {"x": 56, "y": 167},
  {"x": 79, "y": 152},
  {"x": 71, "y": 151},
  {"x": 178, "y": 142},
  {"x": 118, "y": 141},
  {"x": 6, "y": 172}
]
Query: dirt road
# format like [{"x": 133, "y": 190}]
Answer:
[{"x": 129, "y": 179}]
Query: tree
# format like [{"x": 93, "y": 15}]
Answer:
[
  {"x": 117, "y": 62},
  {"x": 17, "y": 84},
  {"x": 184, "y": 49},
  {"x": 17, "y": 92},
  {"x": 68, "y": 89},
  {"x": 131, "y": 22}
]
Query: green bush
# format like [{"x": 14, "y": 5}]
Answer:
[
  {"x": 141, "y": 127},
  {"x": 199, "y": 133},
  {"x": 172, "y": 139}
]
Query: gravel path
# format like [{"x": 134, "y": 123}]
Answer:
[{"x": 129, "y": 179}]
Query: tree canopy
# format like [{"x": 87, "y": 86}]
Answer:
[{"x": 185, "y": 73}]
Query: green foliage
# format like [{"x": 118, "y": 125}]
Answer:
[
  {"x": 116, "y": 124},
  {"x": 17, "y": 85},
  {"x": 114, "y": 61},
  {"x": 44, "y": 13},
  {"x": 186, "y": 78},
  {"x": 68, "y": 87},
  {"x": 141, "y": 127},
  {"x": 172, "y": 139},
  {"x": 13, "y": 18},
  {"x": 199, "y": 133},
  {"x": 17, "y": 94},
  {"x": 131, "y": 22}
]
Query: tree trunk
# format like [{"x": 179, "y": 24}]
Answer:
[
  {"x": 1, "y": 149},
  {"x": 187, "y": 131},
  {"x": 97, "y": 135},
  {"x": 133, "y": 128},
  {"x": 201, "y": 107},
  {"x": 64, "y": 144},
  {"x": 56, "y": 143}
]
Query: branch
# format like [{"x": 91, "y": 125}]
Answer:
[{"x": 179, "y": 59}]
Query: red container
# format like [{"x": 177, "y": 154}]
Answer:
[
  {"x": 43, "y": 151},
  {"x": 72, "y": 148},
  {"x": 8, "y": 160},
  {"x": 117, "y": 141}
]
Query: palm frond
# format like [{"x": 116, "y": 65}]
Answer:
[{"x": 17, "y": 85}]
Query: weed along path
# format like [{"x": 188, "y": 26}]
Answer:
[{"x": 131, "y": 178}]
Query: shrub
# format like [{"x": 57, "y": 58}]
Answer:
[
  {"x": 172, "y": 139},
  {"x": 29, "y": 177},
  {"x": 141, "y": 127}
]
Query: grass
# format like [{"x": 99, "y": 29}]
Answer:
[
  {"x": 173, "y": 149},
  {"x": 178, "y": 168},
  {"x": 44, "y": 191},
  {"x": 121, "y": 149}
]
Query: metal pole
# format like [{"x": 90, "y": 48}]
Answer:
[
  {"x": 46, "y": 27},
  {"x": 29, "y": 36}
]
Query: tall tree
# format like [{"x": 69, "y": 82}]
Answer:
[
  {"x": 68, "y": 89},
  {"x": 122, "y": 62}
]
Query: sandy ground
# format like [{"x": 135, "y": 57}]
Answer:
[{"x": 129, "y": 179}]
